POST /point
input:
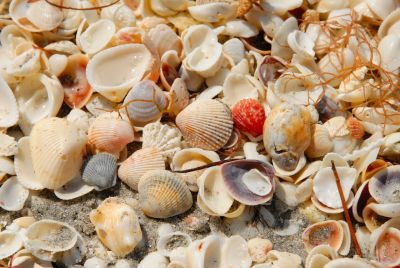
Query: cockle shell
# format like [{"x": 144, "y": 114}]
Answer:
[
  {"x": 109, "y": 133},
  {"x": 206, "y": 124},
  {"x": 145, "y": 103},
  {"x": 133, "y": 62},
  {"x": 11, "y": 242},
  {"x": 100, "y": 171},
  {"x": 165, "y": 39},
  {"x": 327, "y": 232},
  {"x": 96, "y": 36},
  {"x": 249, "y": 117},
  {"x": 140, "y": 162},
  {"x": 57, "y": 148},
  {"x": 163, "y": 194},
  {"x": 321, "y": 142},
  {"x": 117, "y": 226},
  {"x": 213, "y": 11},
  {"x": 235, "y": 252},
  {"x": 13, "y": 195},
  {"x": 205, "y": 60},
  {"x": 8, "y": 145},
  {"x": 287, "y": 144}
]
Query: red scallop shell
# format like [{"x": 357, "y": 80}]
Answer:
[{"x": 249, "y": 116}]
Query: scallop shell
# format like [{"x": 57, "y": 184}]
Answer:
[
  {"x": 73, "y": 189},
  {"x": 145, "y": 103},
  {"x": 327, "y": 232},
  {"x": 206, "y": 124},
  {"x": 117, "y": 226},
  {"x": 13, "y": 195},
  {"x": 205, "y": 60},
  {"x": 165, "y": 39},
  {"x": 8, "y": 145},
  {"x": 235, "y": 252},
  {"x": 140, "y": 162},
  {"x": 213, "y": 11},
  {"x": 163, "y": 194},
  {"x": 109, "y": 133},
  {"x": 96, "y": 37},
  {"x": 45, "y": 239},
  {"x": 321, "y": 143},
  {"x": 133, "y": 62},
  {"x": 11, "y": 242},
  {"x": 57, "y": 148},
  {"x": 9, "y": 112},
  {"x": 100, "y": 171}
]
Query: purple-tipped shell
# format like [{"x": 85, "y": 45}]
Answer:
[
  {"x": 384, "y": 186},
  {"x": 232, "y": 174}
]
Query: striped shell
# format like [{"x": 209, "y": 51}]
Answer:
[
  {"x": 321, "y": 143},
  {"x": 355, "y": 127},
  {"x": 101, "y": 171},
  {"x": 140, "y": 162},
  {"x": 57, "y": 148},
  {"x": 206, "y": 124},
  {"x": 163, "y": 194},
  {"x": 109, "y": 133}
]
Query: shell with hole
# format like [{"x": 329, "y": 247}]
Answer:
[
  {"x": 192, "y": 158},
  {"x": 206, "y": 124},
  {"x": 113, "y": 71},
  {"x": 140, "y": 162},
  {"x": 163, "y": 194},
  {"x": 57, "y": 148},
  {"x": 110, "y": 133},
  {"x": 286, "y": 144},
  {"x": 117, "y": 226},
  {"x": 100, "y": 171}
]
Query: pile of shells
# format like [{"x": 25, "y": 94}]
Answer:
[{"x": 218, "y": 107}]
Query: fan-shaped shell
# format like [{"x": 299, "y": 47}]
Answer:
[
  {"x": 57, "y": 148},
  {"x": 117, "y": 226},
  {"x": 140, "y": 162},
  {"x": 12, "y": 195},
  {"x": 163, "y": 194},
  {"x": 11, "y": 242},
  {"x": 206, "y": 124},
  {"x": 100, "y": 171},
  {"x": 9, "y": 112},
  {"x": 165, "y": 39},
  {"x": 327, "y": 232}
]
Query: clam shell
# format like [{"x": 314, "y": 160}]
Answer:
[
  {"x": 6, "y": 166},
  {"x": 206, "y": 124},
  {"x": 11, "y": 242},
  {"x": 117, "y": 226},
  {"x": 44, "y": 16},
  {"x": 280, "y": 8},
  {"x": 327, "y": 232},
  {"x": 63, "y": 47},
  {"x": 140, "y": 162},
  {"x": 301, "y": 44},
  {"x": 390, "y": 24},
  {"x": 321, "y": 143},
  {"x": 238, "y": 86},
  {"x": 179, "y": 97},
  {"x": 347, "y": 262},
  {"x": 57, "y": 150},
  {"x": 96, "y": 37},
  {"x": 240, "y": 28},
  {"x": 8, "y": 145},
  {"x": 205, "y": 60},
  {"x": 100, "y": 171},
  {"x": 345, "y": 247},
  {"x": 73, "y": 189},
  {"x": 383, "y": 186},
  {"x": 308, "y": 171},
  {"x": 95, "y": 262},
  {"x": 280, "y": 46},
  {"x": 9, "y": 112},
  {"x": 25, "y": 64},
  {"x": 163, "y": 194},
  {"x": 165, "y": 39},
  {"x": 213, "y": 11},
  {"x": 97, "y": 105},
  {"x": 234, "y": 49},
  {"x": 329, "y": 210},
  {"x": 132, "y": 61},
  {"x": 321, "y": 250},
  {"x": 360, "y": 201},
  {"x": 109, "y": 133},
  {"x": 235, "y": 253},
  {"x": 206, "y": 252},
  {"x": 196, "y": 36},
  {"x": 13, "y": 195},
  {"x": 167, "y": 243},
  {"x": 57, "y": 64}
]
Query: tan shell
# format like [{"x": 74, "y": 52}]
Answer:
[
  {"x": 163, "y": 194},
  {"x": 321, "y": 142},
  {"x": 117, "y": 226},
  {"x": 8, "y": 145},
  {"x": 206, "y": 124},
  {"x": 57, "y": 148},
  {"x": 327, "y": 232},
  {"x": 140, "y": 162}
]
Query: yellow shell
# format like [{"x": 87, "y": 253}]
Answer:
[
  {"x": 163, "y": 194},
  {"x": 140, "y": 162},
  {"x": 321, "y": 143},
  {"x": 206, "y": 124},
  {"x": 57, "y": 148},
  {"x": 117, "y": 226}
]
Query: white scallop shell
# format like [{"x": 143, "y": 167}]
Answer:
[
  {"x": 12, "y": 195},
  {"x": 96, "y": 36},
  {"x": 9, "y": 108},
  {"x": 10, "y": 242},
  {"x": 205, "y": 60}
]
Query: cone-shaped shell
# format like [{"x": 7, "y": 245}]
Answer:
[
  {"x": 117, "y": 226},
  {"x": 140, "y": 162},
  {"x": 163, "y": 194},
  {"x": 206, "y": 124},
  {"x": 101, "y": 171},
  {"x": 57, "y": 148},
  {"x": 327, "y": 232}
]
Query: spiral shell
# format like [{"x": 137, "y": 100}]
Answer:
[
  {"x": 101, "y": 171},
  {"x": 163, "y": 194},
  {"x": 321, "y": 143},
  {"x": 206, "y": 124}
]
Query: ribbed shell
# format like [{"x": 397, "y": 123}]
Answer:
[
  {"x": 206, "y": 124},
  {"x": 140, "y": 162},
  {"x": 111, "y": 135},
  {"x": 321, "y": 143},
  {"x": 101, "y": 171},
  {"x": 163, "y": 194},
  {"x": 355, "y": 127},
  {"x": 57, "y": 148}
]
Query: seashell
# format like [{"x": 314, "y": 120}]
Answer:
[
  {"x": 12, "y": 36},
  {"x": 287, "y": 175},
  {"x": 167, "y": 75},
  {"x": 192, "y": 158},
  {"x": 250, "y": 182},
  {"x": 258, "y": 249},
  {"x": 291, "y": 194},
  {"x": 345, "y": 247},
  {"x": 355, "y": 128},
  {"x": 360, "y": 201},
  {"x": 96, "y": 37},
  {"x": 341, "y": 18},
  {"x": 206, "y": 124},
  {"x": 133, "y": 62},
  {"x": 205, "y": 60},
  {"x": 327, "y": 232},
  {"x": 154, "y": 258},
  {"x": 383, "y": 185},
  {"x": 165, "y": 39},
  {"x": 308, "y": 171},
  {"x": 283, "y": 259},
  {"x": 80, "y": 118},
  {"x": 97, "y": 105},
  {"x": 347, "y": 262},
  {"x": 57, "y": 64},
  {"x": 46, "y": 239},
  {"x": 192, "y": 80},
  {"x": 280, "y": 8},
  {"x": 117, "y": 226},
  {"x": 387, "y": 49},
  {"x": 73, "y": 189},
  {"x": 167, "y": 243},
  {"x": 235, "y": 253},
  {"x": 6, "y": 166},
  {"x": 213, "y": 11},
  {"x": 8, "y": 145},
  {"x": 163, "y": 194},
  {"x": 75, "y": 254},
  {"x": 234, "y": 49},
  {"x": 11, "y": 242},
  {"x": 95, "y": 262},
  {"x": 77, "y": 90},
  {"x": 286, "y": 145},
  {"x": 179, "y": 97},
  {"x": 237, "y": 87},
  {"x": 57, "y": 150},
  {"x": 390, "y": 24},
  {"x": 240, "y": 28},
  {"x": 63, "y": 47},
  {"x": 382, "y": 9},
  {"x": 270, "y": 69},
  {"x": 100, "y": 171},
  {"x": 145, "y": 102},
  {"x": 109, "y": 133},
  {"x": 25, "y": 64},
  {"x": 328, "y": 210},
  {"x": 390, "y": 148},
  {"x": 196, "y": 36},
  {"x": 355, "y": 87},
  {"x": 333, "y": 62},
  {"x": 9, "y": 112},
  {"x": 38, "y": 91},
  {"x": 140, "y": 162},
  {"x": 13, "y": 195},
  {"x": 206, "y": 252},
  {"x": 301, "y": 44},
  {"x": 321, "y": 142},
  {"x": 280, "y": 46}
]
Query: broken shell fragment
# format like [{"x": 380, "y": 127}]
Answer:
[
  {"x": 100, "y": 171},
  {"x": 9, "y": 113},
  {"x": 11, "y": 242},
  {"x": 8, "y": 145},
  {"x": 258, "y": 249}
]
